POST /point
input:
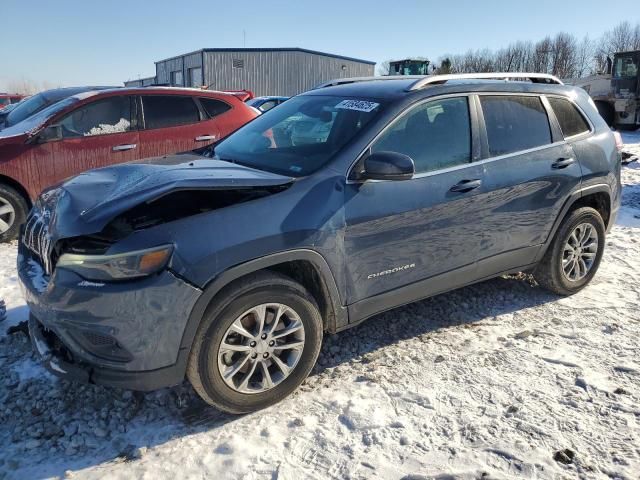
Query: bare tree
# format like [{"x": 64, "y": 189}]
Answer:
[
  {"x": 623, "y": 37},
  {"x": 585, "y": 55},
  {"x": 25, "y": 86},
  {"x": 563, "y": 55},
  {"x": 446, "y": 67},
  {"x": 383, "y": 68}
]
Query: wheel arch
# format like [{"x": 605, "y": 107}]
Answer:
[
  {"x": 308, "y": 267},
  {"x": 18, "y": 187},
  {"x": 595, "y": 196}
]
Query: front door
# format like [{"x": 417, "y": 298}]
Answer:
[
  {"x": 94, "y": 135},
  {"x": 400, "y": 232}
]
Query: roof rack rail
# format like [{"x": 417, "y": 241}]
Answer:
[
  {"x": 438, "y": 79},
  {"x": 343, "y": 81}
]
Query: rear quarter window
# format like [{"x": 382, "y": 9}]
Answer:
[
  {"x": 214, "y": 107},
  {"x": 570, "y": 119},
  {"x": 514, "y": 123}
]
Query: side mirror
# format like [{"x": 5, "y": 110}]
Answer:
[
  {"x": 50, "y": 134},
  {"x": 388, "y": 166}
]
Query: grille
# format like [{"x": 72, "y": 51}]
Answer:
[
  {"x": 99, "y": 340},
  {"x": 37, "y": 239}
]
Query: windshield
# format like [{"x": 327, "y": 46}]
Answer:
[
  {"x": 4, "y": 101},
  {"x": 300, "y": 136},
  {"x": 37, "y": 119},
  {"x": 625, "y": 67},
  {"x": 26, "y": 109}
]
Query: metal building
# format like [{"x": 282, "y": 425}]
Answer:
[
  {"x": 265, "y": 71},
  {"x": 141, "y": 82}
]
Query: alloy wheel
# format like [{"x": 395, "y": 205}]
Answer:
[
  {"x": 579, "y": 253},
  {"x": 7, "y": 215},
  {"x": 261, "y": 348}
]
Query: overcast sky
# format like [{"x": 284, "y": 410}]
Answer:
[{"x": 70, "y": 42}]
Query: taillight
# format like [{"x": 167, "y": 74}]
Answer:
[{"x": 618, "y": 138}]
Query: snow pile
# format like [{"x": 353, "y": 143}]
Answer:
[
  {"x": 105, "y": 128},
  {"x": 10, "y": 295},
  {"x": 497, "y": 380}
]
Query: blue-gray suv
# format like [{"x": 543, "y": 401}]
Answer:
[{"x": 227, "y": 265}]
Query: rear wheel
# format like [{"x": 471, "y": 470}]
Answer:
[
  {"x": 256, "y": 344},
  {"x": 13, "y": 213},
  {"x": 575, "y": 253}
]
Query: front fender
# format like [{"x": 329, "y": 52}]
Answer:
[{"x": 339, "y": 312}]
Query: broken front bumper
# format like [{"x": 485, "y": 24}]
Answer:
[
  {"x": 59, "y": 360},
  {"x": 121, "y": 334}
]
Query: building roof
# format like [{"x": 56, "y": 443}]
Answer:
[{"x": 248, "y": 50}]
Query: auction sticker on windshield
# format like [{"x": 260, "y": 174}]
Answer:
[{"x": 359, "y": 105}]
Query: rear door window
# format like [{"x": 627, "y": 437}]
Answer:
[
  {"x": 214, "y": 107},
  {"x": 514, "y": 123},
  {"x": 162, "y": 111},
  {"x": 570, "y": 119},
  {"x": 103, "y": 117},
  {"x": 435, "y": 135}
]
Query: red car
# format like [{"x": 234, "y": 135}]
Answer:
[
  {"x": 99, "y": 128},
  {"x": 9, "y": 98}
]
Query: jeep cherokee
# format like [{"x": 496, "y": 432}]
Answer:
[{"x": 227, "y": 265}]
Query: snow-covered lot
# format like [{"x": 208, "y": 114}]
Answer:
[{"x": 490, "y": 381}]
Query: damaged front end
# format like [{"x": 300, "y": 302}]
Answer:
[
  {"x": 101, "y": 307},
  {"x": 169, "y": 207},
  {"x": 90, "y": 213}
]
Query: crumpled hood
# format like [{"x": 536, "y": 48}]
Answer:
[{"x": 86, "y": 203}]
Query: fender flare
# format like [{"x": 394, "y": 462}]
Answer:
[
  {"x": 573, "y": 198},
  {"x": 339, "y": 312}
]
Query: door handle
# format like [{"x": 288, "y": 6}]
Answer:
[
  {"x": 204, "y": 138},
  {"x": 466, "y": 185},
  {"x": 562, "y": 162},
  {"x": 121, "y": 148}
]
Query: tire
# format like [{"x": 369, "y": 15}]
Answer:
[
  {"x": 207, "y": 360},
  {"x": 13, "y": 213},
  {"x": 551, "y": 274}
]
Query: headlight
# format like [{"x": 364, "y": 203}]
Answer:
[{"x": 121, "y": 266}]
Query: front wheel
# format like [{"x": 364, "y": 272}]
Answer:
[
  {"x": 256, "y": 344},
  {"x": 13, "y": 213},
  {"x": 574, "y": 255}
]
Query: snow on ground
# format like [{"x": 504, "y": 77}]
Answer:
[
  {"x": 489, "y": 381},
  {"x": 631, "y": 142}
]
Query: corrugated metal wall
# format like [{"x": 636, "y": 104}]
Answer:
[
  {"x": 277, "y": 72},
  {"x": 264, "y": 72},
  {"x": 164, "y": 69},
  {"x": 141, "y": 82},
  {"x": 181, "y": 64}
]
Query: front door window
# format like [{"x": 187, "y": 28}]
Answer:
[{"x": 111, "y": 115}]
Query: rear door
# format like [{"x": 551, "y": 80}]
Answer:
[
  {"x": 94, "y": 135},
  {"x": 173, "y": 124},
  {"x": 529, "y": 173}
]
